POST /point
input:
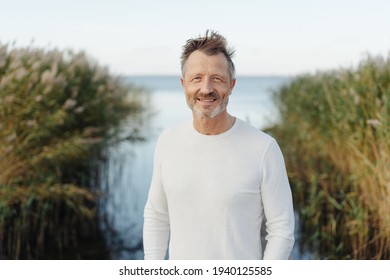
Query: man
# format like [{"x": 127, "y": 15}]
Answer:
[{"x": 216, "y": 178}]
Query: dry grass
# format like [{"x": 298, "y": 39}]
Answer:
[
  {"x": 58, "y": 109},
  {"x": 335, "y": 133}
]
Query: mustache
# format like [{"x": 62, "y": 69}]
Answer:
[{"x": 208, "y": 95}]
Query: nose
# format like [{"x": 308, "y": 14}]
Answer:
[{"x": 206, "y": 87}]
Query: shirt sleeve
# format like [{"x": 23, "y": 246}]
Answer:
[
  {"x": 278, "y": 205},
  {"x": 156, "y": 218}
]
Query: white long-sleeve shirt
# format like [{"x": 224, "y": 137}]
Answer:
[{"x": 210, "y": 193}]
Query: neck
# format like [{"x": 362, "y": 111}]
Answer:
[{"x": 213, "y": 126}]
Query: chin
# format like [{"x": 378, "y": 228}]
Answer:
[{"x": 209, "y": 114}]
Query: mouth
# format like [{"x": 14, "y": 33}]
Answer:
[{"x": 206, "y": 101}]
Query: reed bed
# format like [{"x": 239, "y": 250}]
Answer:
[
  {"x": 335, "y": 133},
  {"x": 58, "y": 110}
]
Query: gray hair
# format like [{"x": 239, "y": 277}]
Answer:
[{"x": 211, "y": 43}]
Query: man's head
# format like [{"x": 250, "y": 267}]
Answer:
[
  {"x": 210, "y": 44},
  {"x": 207, "y": 75}
]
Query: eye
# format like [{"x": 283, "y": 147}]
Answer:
[
  {"x": 196, "y": 79},
  {"x": 217, "y": 79}
]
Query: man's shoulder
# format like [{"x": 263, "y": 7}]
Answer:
[{"x": 248, "y": 130}]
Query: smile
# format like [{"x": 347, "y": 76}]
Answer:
[{"x": 206, "y": 100}]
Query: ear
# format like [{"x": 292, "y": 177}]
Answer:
[
  {"x": 232, "y": 84},
  {"x": 182, "y": 81}
]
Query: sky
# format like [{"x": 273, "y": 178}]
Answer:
[{"x": 145, "y": 37}]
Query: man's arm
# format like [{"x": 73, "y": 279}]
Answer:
[
  {"x": 278, "y": 206},
  {"x": 156, "y": 217}
]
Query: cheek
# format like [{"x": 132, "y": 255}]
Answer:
[
  {"x": 193, "y": 88},
  {"x": 189, "y": 98},
  {"x": 225, "y": 92},
  {"x": 189, "y": 90}
]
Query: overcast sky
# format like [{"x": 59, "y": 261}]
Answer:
[{"x": 271, "y": 37}]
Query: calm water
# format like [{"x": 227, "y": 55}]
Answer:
[{"x": 128, "y": 171}]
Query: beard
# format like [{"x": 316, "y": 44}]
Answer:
[{"x": 209, "y": 112}]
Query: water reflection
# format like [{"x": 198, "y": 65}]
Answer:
[{"x": 125, "y": 182}]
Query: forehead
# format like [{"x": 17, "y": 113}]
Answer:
[{"x": 201, "y": 62}]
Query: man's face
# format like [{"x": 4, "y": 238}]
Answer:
[{"x": 207, "y": 84}]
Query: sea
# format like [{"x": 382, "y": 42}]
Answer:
[{"x": 126, "y": 173}]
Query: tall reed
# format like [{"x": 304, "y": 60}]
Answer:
[
  {"x": 335, "y": 133},
  {"x": 58, "y": 109}
]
